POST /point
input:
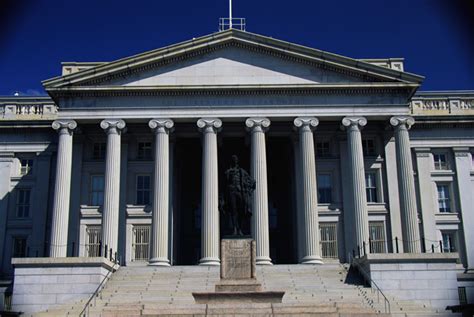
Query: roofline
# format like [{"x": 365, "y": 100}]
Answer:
[
  {"x": 444, "y": 93},
  {"x": 183, "y": 47}
]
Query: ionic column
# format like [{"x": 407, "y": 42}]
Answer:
[
  {"x": 110, "y": 213},
  {"x": 210, "y": 192},
  {"x": 62, "y": 188},
  {"x": 357, "y": 178},
  {"x": 311, "y": 247},
  {"x": 406, "y": 184},
  {"x": 258, "y": 170},
  {"x": 159, "y": 238}
]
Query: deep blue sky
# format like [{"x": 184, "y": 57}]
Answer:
[{"x": 436, "y": 37}]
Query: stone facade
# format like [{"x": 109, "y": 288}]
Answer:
[{"x": 349, "y": 158}]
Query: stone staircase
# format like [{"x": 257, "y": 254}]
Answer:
[{"x": 326, "y": 290}]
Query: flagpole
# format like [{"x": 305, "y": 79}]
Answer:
[{"x": 230, "y": 14}]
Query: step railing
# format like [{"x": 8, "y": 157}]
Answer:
[
  {"x": 85, "y": 310},
  {"x": 373, "y": 286}
]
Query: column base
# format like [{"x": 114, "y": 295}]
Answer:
[
  {"x": 159, "y": 262},
  {"x": 212, "y": 261},
  {"x": 263, "y": 260},
  {"x": 311, "y": 259}
]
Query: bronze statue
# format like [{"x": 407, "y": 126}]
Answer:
[{"x": 239, "y": 188}]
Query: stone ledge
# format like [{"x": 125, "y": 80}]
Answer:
[
  {"x": 408, "y": 258},
  {"x": 63, "y": 262}
]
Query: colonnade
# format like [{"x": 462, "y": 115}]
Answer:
[{"x": 210, "y": 127}]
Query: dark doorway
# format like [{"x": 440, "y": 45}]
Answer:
[
  {"x": 281, "y": 208},
  {"x": 187, "y": 224}
]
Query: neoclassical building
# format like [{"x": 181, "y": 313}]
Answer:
[{"x": 128, "y": 157}]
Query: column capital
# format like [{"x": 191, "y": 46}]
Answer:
[
  {"x": 162, "y": 125},
  {"x": 207, "y": 125},
  {"x": 402, "y": 122},
  {"x": 306, "y": 123},
  {"x": 354, "y": 122},
  {"x": 113, "y": 126},
  {"x": 257, "y": 124},
  {"x": 64, "y": 126}
]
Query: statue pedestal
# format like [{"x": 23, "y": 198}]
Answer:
[{"x": 238, "y": 283}]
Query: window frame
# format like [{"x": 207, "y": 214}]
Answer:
[
  {"x": 366, "y": 149},
  {"x": 378, "y": 245},
  {"x": 14, "y": 239},
  {"x": 22, "y": 205},
  {"x": 440, "y": 165},
  {"x": 101, "y": 152},
  {"x": 447, "y": 199},
  {"x": 144, "y": 153},
  {"x": 451, "y": 238},
  {"x": 321, "y": 150},
  {"x": 92, "y": 190},
  {"x": 374, "y": 188},
  {"x": 141, "y": 192},
  {"x": 27, "y": 169},
  {"x": 326, "y": 190}
]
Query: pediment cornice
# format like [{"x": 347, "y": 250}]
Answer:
[{"x": 232, "y": 38}]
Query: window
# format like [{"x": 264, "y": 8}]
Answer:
[
  {"x": 141, "y": 243},
  {"x": 448, "y": 242},
  {"x": 143, "y": 189},
  {"x": 97, "y": 190},
  {"x": 324, "y": 189},
  {"x": 23, "y": 203},
  {"x": 377, "y": 236},
  {"x": 368, "y": 147},
  {"x": 444, "y": 202},
  {"x": 98, "y": 152},
  {"x": 19, "y": 247},
  {"x": 440, "y": 161},
  {"x": 93, "y": 234},
  {"x": 144, "y": 151},
  {"x": 322, "y": 149},
  {"x": 26, "y": 166},
  {"x": 371, "y": 187},
  {"x": 272, "y": 216},
  {"x": 328, "y": 240}
]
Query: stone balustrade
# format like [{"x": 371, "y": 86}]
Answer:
[
  {"x": 40, "y": 109},
  {"x": 434, "y": 105}
]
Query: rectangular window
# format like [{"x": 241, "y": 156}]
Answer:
[
  {"x": 97, "y": 190},
  {"x": 141, "y": 243},
  {"x": 26, "y": 166},
  {"x": 324, "y": 189},
  {"x": 328, "y": 240},
  {"x": 448, "y": 242},
  {"x": 98, "y": 152},
  {"x": 377, "y": 237},
  {"x": 322, "y": 149},
  {"x": 93, "y": 234},
  {"x": 144, "y": 151},
  {"x": 23, "y": 203},
  {"x": 19, "y": 247},
  {"x": 371, "y": 187},
  {"x": 368, "y": 147},
  {"x": 143, "y": 190},
  {"x": 440, "y": 161},
  {"x": 444, "y": 202}
]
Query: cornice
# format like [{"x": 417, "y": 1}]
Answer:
[{"x": 232, "y": 90}]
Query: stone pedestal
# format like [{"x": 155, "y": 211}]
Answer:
[{"x": 238, "y": 283}]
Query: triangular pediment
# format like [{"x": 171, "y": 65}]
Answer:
[{"x": 231, "y": 58}]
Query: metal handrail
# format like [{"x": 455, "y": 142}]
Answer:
[
  {"x": 96, "y": 293},
  {"x": 372, "y": 284}
]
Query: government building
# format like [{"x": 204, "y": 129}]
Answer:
[{"x": 126, "y": 159}]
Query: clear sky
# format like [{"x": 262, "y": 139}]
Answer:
[{"x": 436, "y": 37}]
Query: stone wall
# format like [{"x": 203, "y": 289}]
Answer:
[
  {"x": 430, "y": 279},
  {"x": 43, "y": 283}
]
